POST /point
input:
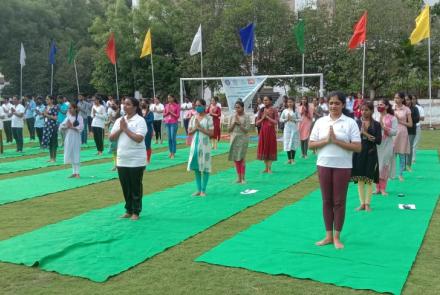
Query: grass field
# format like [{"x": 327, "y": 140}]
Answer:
[{"x": 173, "y": 271}]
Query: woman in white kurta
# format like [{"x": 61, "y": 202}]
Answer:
[
  {"x": 201, "y": 127},
  {"x": 72, "y": 126},
  {"x": 290, "y": 118}
]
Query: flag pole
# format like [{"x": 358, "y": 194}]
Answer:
[
  {"x": 152, "y": 75},
  {"x": 201, "y": 62},
  {"x": 429, "y": 90},
  {"x": 51, "y": 80},
  {"x": 21, "y": 81},
  {"x": 76, "y": 75},
  {"x": 302, "y": 80},
  {"x": 252, "y": 63},
  {"x": 117, "y": 87},
  {"x": 363, "y": 68}
]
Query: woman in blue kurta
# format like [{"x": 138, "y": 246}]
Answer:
[{"x": 149, "y": 118}]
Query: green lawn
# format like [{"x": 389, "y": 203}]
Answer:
[{"x": 173, "y": 271}]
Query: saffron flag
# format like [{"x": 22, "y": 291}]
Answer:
[
  {"x": 147, "y": 49},
  {"x": 71, "y": 54},
  {"x": 422, "y": 29},
  {"x": 22, "y": 56},
  {"x": 111, "y": 48},
  {"x": 298, "y": 31},
  {"x": 247, "y": 38},
  {"x": 52, "y": 52},
  {"x": 196, "y": 46},
  {"x": 360, "y": 32}
]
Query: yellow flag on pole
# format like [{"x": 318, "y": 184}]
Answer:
[
  {"x": 147, "y": 49},
  {"x": 422, "y": 29}
]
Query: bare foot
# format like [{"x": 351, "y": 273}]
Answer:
[
  {"x": 324, "y": 242},
  {"x": 126, "y": 215},
  {"x": 360, "y": 208},
  {"x": 76, "y": 176},
  {"x": 367, "y": 207},
  {"x": 134, "y": 217},
  {"x": 269, "y": 171},
  {"x": 202, "y": 194},
  {"x": 71, "y": 176},
  {"x": 384, "y": 193},
  {"x": 338, "y": 244},
  {"x": 238, "y": 181},
  {"x": 264, "y": 171},
  {"x": 376, "y": 193},
  {"x": 401, "y": 178},
  {"x": 196, "y": 194},
  {"x": 243, "y": 182}
]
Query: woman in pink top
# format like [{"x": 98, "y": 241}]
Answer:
[
  {"x": 305, "y": 125},
  {"x": 171, "y": 118},
  {"x": 401, "y": 141}
]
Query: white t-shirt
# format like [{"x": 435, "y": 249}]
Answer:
[
  {"x": 7, "y": 109},
  {"x": 130, "y": 153},
  {"x": 99, "y": 116},
  {"x": 421, "y": 113},
  {"x": 186, "y": 110},
  {"x": 2, "y": 116},
  {"x": 16, "y": 121},
  {"x": 155, "y": 108},
  {"x": 331, "y": 155}
]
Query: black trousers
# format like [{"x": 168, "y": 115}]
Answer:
[
  {"x": 53, "y": 145},
  {"x": 18, "y": 137},
  {"x": 8, "y": 130},
  {"x": 157, "y": 125},
  {"x": 39, "y": 131},
  {"x": 186, "y": 124},
  {"x": 131, "y": 183},
  {"x": 1, "y": 141},
  {"x": 98, "y": 136},
  {"x": 30, "y": 122}
]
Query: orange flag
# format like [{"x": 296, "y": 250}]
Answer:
[
  {"x": 111, "y": 48},
  {"x": 360, "y": 32}
]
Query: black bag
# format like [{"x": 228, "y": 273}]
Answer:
[{"x": 76, "y": 122}]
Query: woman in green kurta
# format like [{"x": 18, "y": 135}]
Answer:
[
  {"x": 239, "y": 125},
  {"x": 201, "y": 128}
]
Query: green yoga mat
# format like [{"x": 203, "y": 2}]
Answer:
[
  {"x": 56, "y": 181},
  {"x": 97, "y": 245},
  {"x": 41, "y": 162},
  {"x": 380, "y": 246}
]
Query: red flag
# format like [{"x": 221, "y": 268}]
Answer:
[
  {"x": 111, "y": 49},
  {"x": 360, "y": 32}
]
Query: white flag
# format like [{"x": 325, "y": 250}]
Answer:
[
  {"x": 196, "y": 45},
  {"x": 22, "y": 56}
]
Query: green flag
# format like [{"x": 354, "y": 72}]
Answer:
[
  {"x": 298, "y": 30},
  {"x": 71, "y": 53}
]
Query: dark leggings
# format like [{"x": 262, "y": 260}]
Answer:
[
  {"x": 131, "y": 183},
  {"x": 304, "y": 147},
  {"x": 334, "y": 185},
  {"x": 186, "y": 124},
  {"x": 157, "y": 125},
  {"x": 98, "y": 136},
  {"x": 39, "y": 131},
  {"x": 53, "y": 145},
  {"x": 291, "y": 155}
]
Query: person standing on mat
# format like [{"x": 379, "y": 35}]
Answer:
[
  {"x": 17, "y": 123},
  {"x": 215, "y": 112},
  {"x": 157, "y": 108},
  {"x": 2, "y": 116},
  {"x": 171, "y": 118},
  {"x": 365, "y": 163},
  {"x": 149, "y": 119},
  {"x": 401, "y": 140},
  {"x": 239, "y": 126},
  {"x": 267, "y": 140},
  {"x": 50, "y": 130},
  {"x": 306, "y": 111},
  {"x": 289, "y": 117},
  {"x": 98, "y": 123},
  {"x": 201, "y": 128},
  {"x": 72, "y": 126},
  {"x": 336, "y": 137},
  {"x": 129, "y": 131},
  {"x": 388, "y": 122},
  {"x": 39, "y": 120},
  {"x": 415, "y": 116}
]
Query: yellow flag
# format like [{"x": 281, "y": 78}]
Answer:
[
  {"x": 422, "y": 30},
  {"x": 147, "y": 49}
]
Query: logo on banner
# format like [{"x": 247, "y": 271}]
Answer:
[
  {"x": 227, "y": 82},
  {"x": 251, "y": 81}
]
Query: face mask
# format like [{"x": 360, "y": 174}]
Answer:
[
  {"x": 200, "y": 109},
  {"x": 380, "y": 109}
]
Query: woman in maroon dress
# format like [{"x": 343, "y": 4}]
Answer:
[
  {"x": 215, "y": 111},
  {"x": 267, "y": 141}
]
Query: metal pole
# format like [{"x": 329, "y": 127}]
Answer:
[
  {"x": 51, "y": 80},
  {"x": 152, "y": 74},
  {"x": 429, "y": 90},
  {"x": 21, "y": 81},
  {"x": 76, "y": 75},
  {"x": 252, "y": 64},
  {"x": 302, "y": 78},
  {"x": 201, "y": 60},
  {"x": 363, "y": 69},
  {"x": 117, "y": 87}
]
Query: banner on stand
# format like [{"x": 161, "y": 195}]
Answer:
[{"x": 243, "y": 88}]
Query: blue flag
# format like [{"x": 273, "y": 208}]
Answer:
[
  {"x": 247, "y": 38},
  {"x": 53, "y": 51}
]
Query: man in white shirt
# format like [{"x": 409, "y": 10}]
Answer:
[
  {"x": 7, "y": 120},
  {"x": 17, "y": 122},
  {"x": 2, "y": 116}
]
